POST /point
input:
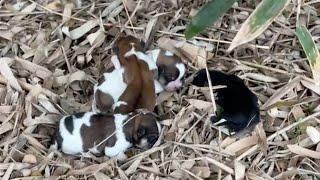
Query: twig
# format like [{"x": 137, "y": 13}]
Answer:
[
  {"x": 29, "y": 87},
  {"x": 129, "y": 17},
  {"x": 220, "y": 165},
  {"x": 255, "y": 147}
]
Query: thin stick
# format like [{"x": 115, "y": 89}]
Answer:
[
  {"x": 255, "y": 147},
  {"x": 29, "y": 87},
  {"x": 129, "y": 17}
]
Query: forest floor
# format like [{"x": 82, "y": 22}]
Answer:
[{"x": 52, "y": 54}]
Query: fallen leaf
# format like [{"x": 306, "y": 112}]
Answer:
[
  {"x": 242, "y": 144},
  {"x": 303, "y": 151},
  {"x": 83, "y": 29},
  {"x": 239, "y": 170},
  {"x": 281, "y": 92},
  {"x": 29, "y": 158},
  {"x": 260, "y": 77},
  {"x": 8, "y": 75},
  {"x": 313, "y": 134},
  {"x": 199, "y": 104},
  {"x": 311, "y": 50},
  {"x": 260, "y": 19}
]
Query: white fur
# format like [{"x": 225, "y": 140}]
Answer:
[
  {"x": 168, "y": 53},
  {"x": 72, "y": 142},
  {"x": 115, "y": 61},
  {"x": 94, "y": 150},
  {"x": 154, "y": 54},
  {"x": 144, "y": 57},
  {"x": 121, "y": 144},
  {"x": 159, "y": 127},
  {"x": 182, "y": 69},
  {"x": 119, "y": 103},
  {"x": 158, "y": 87},
  {"x": 113, "y": 85}
]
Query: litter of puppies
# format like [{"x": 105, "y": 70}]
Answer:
[{"x": 132, "y": 84}]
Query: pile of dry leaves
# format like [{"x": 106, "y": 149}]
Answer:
[{"x": 52, "y": 52}]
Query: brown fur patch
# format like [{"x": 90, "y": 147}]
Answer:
[
  {"x": 102, "y": 126},
  {"x": 104, "y": 101},
  {"x": 147, "y": 98},
  {"x": 131, "y": 73}
]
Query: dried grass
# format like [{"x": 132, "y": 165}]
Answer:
[{"x": 52, "y": 54}]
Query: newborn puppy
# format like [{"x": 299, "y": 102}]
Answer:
[
  {"x": 120, "y": 89},
  {"x": 108, "y": 134},
  {"x": 171, "y": 70},
  {"x": 239, "y": 104}
]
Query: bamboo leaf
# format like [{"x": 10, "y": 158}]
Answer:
[
  {"x": 311, "y": 51},
  {"x": 258, "y": 21},
  {"x": 207, "y": 15}
]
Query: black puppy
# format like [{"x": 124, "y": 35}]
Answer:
[{"x": 239, "y": 105}]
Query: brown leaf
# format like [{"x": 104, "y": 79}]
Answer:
[
  {"x": 303, "y": 151},
  {"x": 8, "y": 75}
]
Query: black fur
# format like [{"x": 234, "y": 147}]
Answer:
[
  {"x": 79, "y": 115},
  {"x": 69, "y": 124},
  {"x": 57, "y": 138},
  {"x": 240, "y": 105}
]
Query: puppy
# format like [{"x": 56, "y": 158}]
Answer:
[
  {"x": 119, "y": 90},
  {"x": 106, "y": 134},
  {"x": 239, "y": 104},
  {"x": 168, "y": 69},
  {"x": 171, "y": 70}
]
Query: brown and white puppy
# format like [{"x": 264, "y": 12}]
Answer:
[
  {"x": 168, "y": 69},
  {"x": 171, "y": 70},
  {"x": 120, "y": 90},
  {"x": 108, "y": 134}
]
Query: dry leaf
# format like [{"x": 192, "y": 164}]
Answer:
[
  {"x": 242, "y": 144},
  {"x": 8, "y": 75},
  {"x": 260, "y": 77},
  {"x": 239, "y": 170},
  {"x": 281, "y": 92},
  {"x": 313, "y": 134},
  {"x": 304, "y": 152},
  {"x": 83, "y": 29},
  {"x": 25, "y": 12},
  {"x": 67, "y": 12},
  {"x": 54, "y": 5},
  {"x": 29, "y": 158},
  {"x": 149, "y": 27},
  {"x": 199, "y": 104},
  {"x": 132, "y": 169}
]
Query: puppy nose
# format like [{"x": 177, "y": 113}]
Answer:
[{"x": 178, "y": 84}]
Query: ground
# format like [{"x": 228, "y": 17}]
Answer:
[{"x": 50, "y": 61}]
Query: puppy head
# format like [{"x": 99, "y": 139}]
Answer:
[
  {"x": 146, "y": 130},
  {"x": 126, "y": 43},
  {"x": 171, "y": 71}
]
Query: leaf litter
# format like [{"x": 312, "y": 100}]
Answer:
[{"x": 52, "y": 53}]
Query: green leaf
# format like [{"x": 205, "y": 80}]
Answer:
[
  {"x": 258, "y": 21},
  {"x": 311, "y": 50},
  {"x": 207, "y": 15}
]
